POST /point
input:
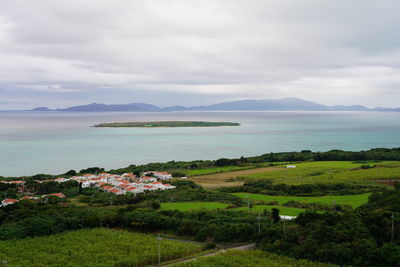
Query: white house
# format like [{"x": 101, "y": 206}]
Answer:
[
  {"x": 148, "y": 179},
  {"x": 163, "y": 175},
  {"x": 291, "y": 166},
  {"x": 86, "y": 184},
  {"x": 134, "y": 190}
]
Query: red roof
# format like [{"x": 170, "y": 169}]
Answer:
[
  {"x": 156, "y": 183},
  {"x": 56, "y": 194},
  {"x": 114, "y": 190},
  {"x": 11, "y": 200},
  {"x": 26, "y": 197},
  {"x": 123, "y": 181},
  {"x": 124, "y": 185},
  {"x": 147, "y": 177},
  {"x": 131, "y": 188},
  {"x": 148, "y": 186},
  {"x": 107, "y": 187}
]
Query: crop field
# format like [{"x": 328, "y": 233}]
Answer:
[
  {"x": 95, "y": 247},
  {"x": 330, "y": 172},
  {"x": 351, "y": 200},
  {"x": 288, "y": 211},
  {"x": 254, "y": 258},
  {"x": 187, "y": 206},
  {"x": 229, "y": 178}
]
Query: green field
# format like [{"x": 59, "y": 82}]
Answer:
[
  {"x": 247, "y": 258},
  {"x": 331, "y": 172},
  {"x": 282, "y": 209},
  {"x": 95, "y": 247},
  {"x": 351, "y": 200},
  {"x": 187, "y": 206}
]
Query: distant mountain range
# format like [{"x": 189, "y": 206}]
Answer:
[{"x": 285, "y": 104}]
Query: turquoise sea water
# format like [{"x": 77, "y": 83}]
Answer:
[{"x": 55, "y": 142}]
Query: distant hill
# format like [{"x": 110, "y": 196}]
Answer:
[
  {"x": 103, "y": 107},
  {"x": 289, "y": 104},
  {"x": 41, "y": 109},
  {"x": 279, "y": 104}
]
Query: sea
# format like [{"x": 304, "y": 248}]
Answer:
[{"x": 55, "y": 142}]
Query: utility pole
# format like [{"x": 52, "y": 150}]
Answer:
[
  {"x": 284, "y": 227},
  {"x": 259, "y": 224},
  {"x": 159, "y": 250},
  {"x": 334, "y": 206},
  {"x": 392, "y": 236}
]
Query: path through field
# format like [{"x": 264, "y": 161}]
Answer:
[{"x": 241, "y": 247}]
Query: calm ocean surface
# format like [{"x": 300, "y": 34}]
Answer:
[{"x": 55, "y": 142}]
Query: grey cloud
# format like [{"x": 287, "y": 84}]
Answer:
[{"x": 334, "y": 52}]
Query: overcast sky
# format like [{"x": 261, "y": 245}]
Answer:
[{"x": 58, "y": 53}]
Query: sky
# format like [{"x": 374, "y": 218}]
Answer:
[{"x": 58, "y": 53}]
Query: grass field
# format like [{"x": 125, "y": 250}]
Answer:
[
  {"x": 352, "y": 200},
  {"x": 95, "y": 247},
  {"x": 288, "y": 211},
  {"x": 330, "y": 172},
  {"x": 228, "y": 178},
  {"x": 247, "y": 258},
  {"x": 187, "y": 206}
]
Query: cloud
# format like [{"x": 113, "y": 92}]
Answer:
[{"x": 334, "y": 52}]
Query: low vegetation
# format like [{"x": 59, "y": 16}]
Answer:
[
  {"x": 259, "y": 209},
  {"x": 95, "y": 247},
  {"x": 351, "y": 200},
  {"x": 254, "y": 258},
  {"x": 330, "y": 172},
  {"x": 187, "y": 206}
]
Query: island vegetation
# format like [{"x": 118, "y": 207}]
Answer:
[{"x": 166, "y": 124}]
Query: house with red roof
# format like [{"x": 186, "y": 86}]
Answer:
[
  {"x": 129, "y": 175},
  {"x": 61, "y": 195},
  {"x": 107, "y": 188},
  {"x": 149, "y": 188},
  {"x": 116, "y": 191},
  {"x": 134, "y": 190},
  {"x": 8, "y": 201},
  {"x": 123, "y": 186},
  {"x": 27, "y": 198}
]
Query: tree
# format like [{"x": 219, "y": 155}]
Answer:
[
  {"x": 275, "y": 215},
  {"x": 71, "y": 173}
]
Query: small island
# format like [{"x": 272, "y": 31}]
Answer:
[{"x": 159, "y": 124}]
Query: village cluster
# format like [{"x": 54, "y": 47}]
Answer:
[{"x": 111, "y": 183}]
